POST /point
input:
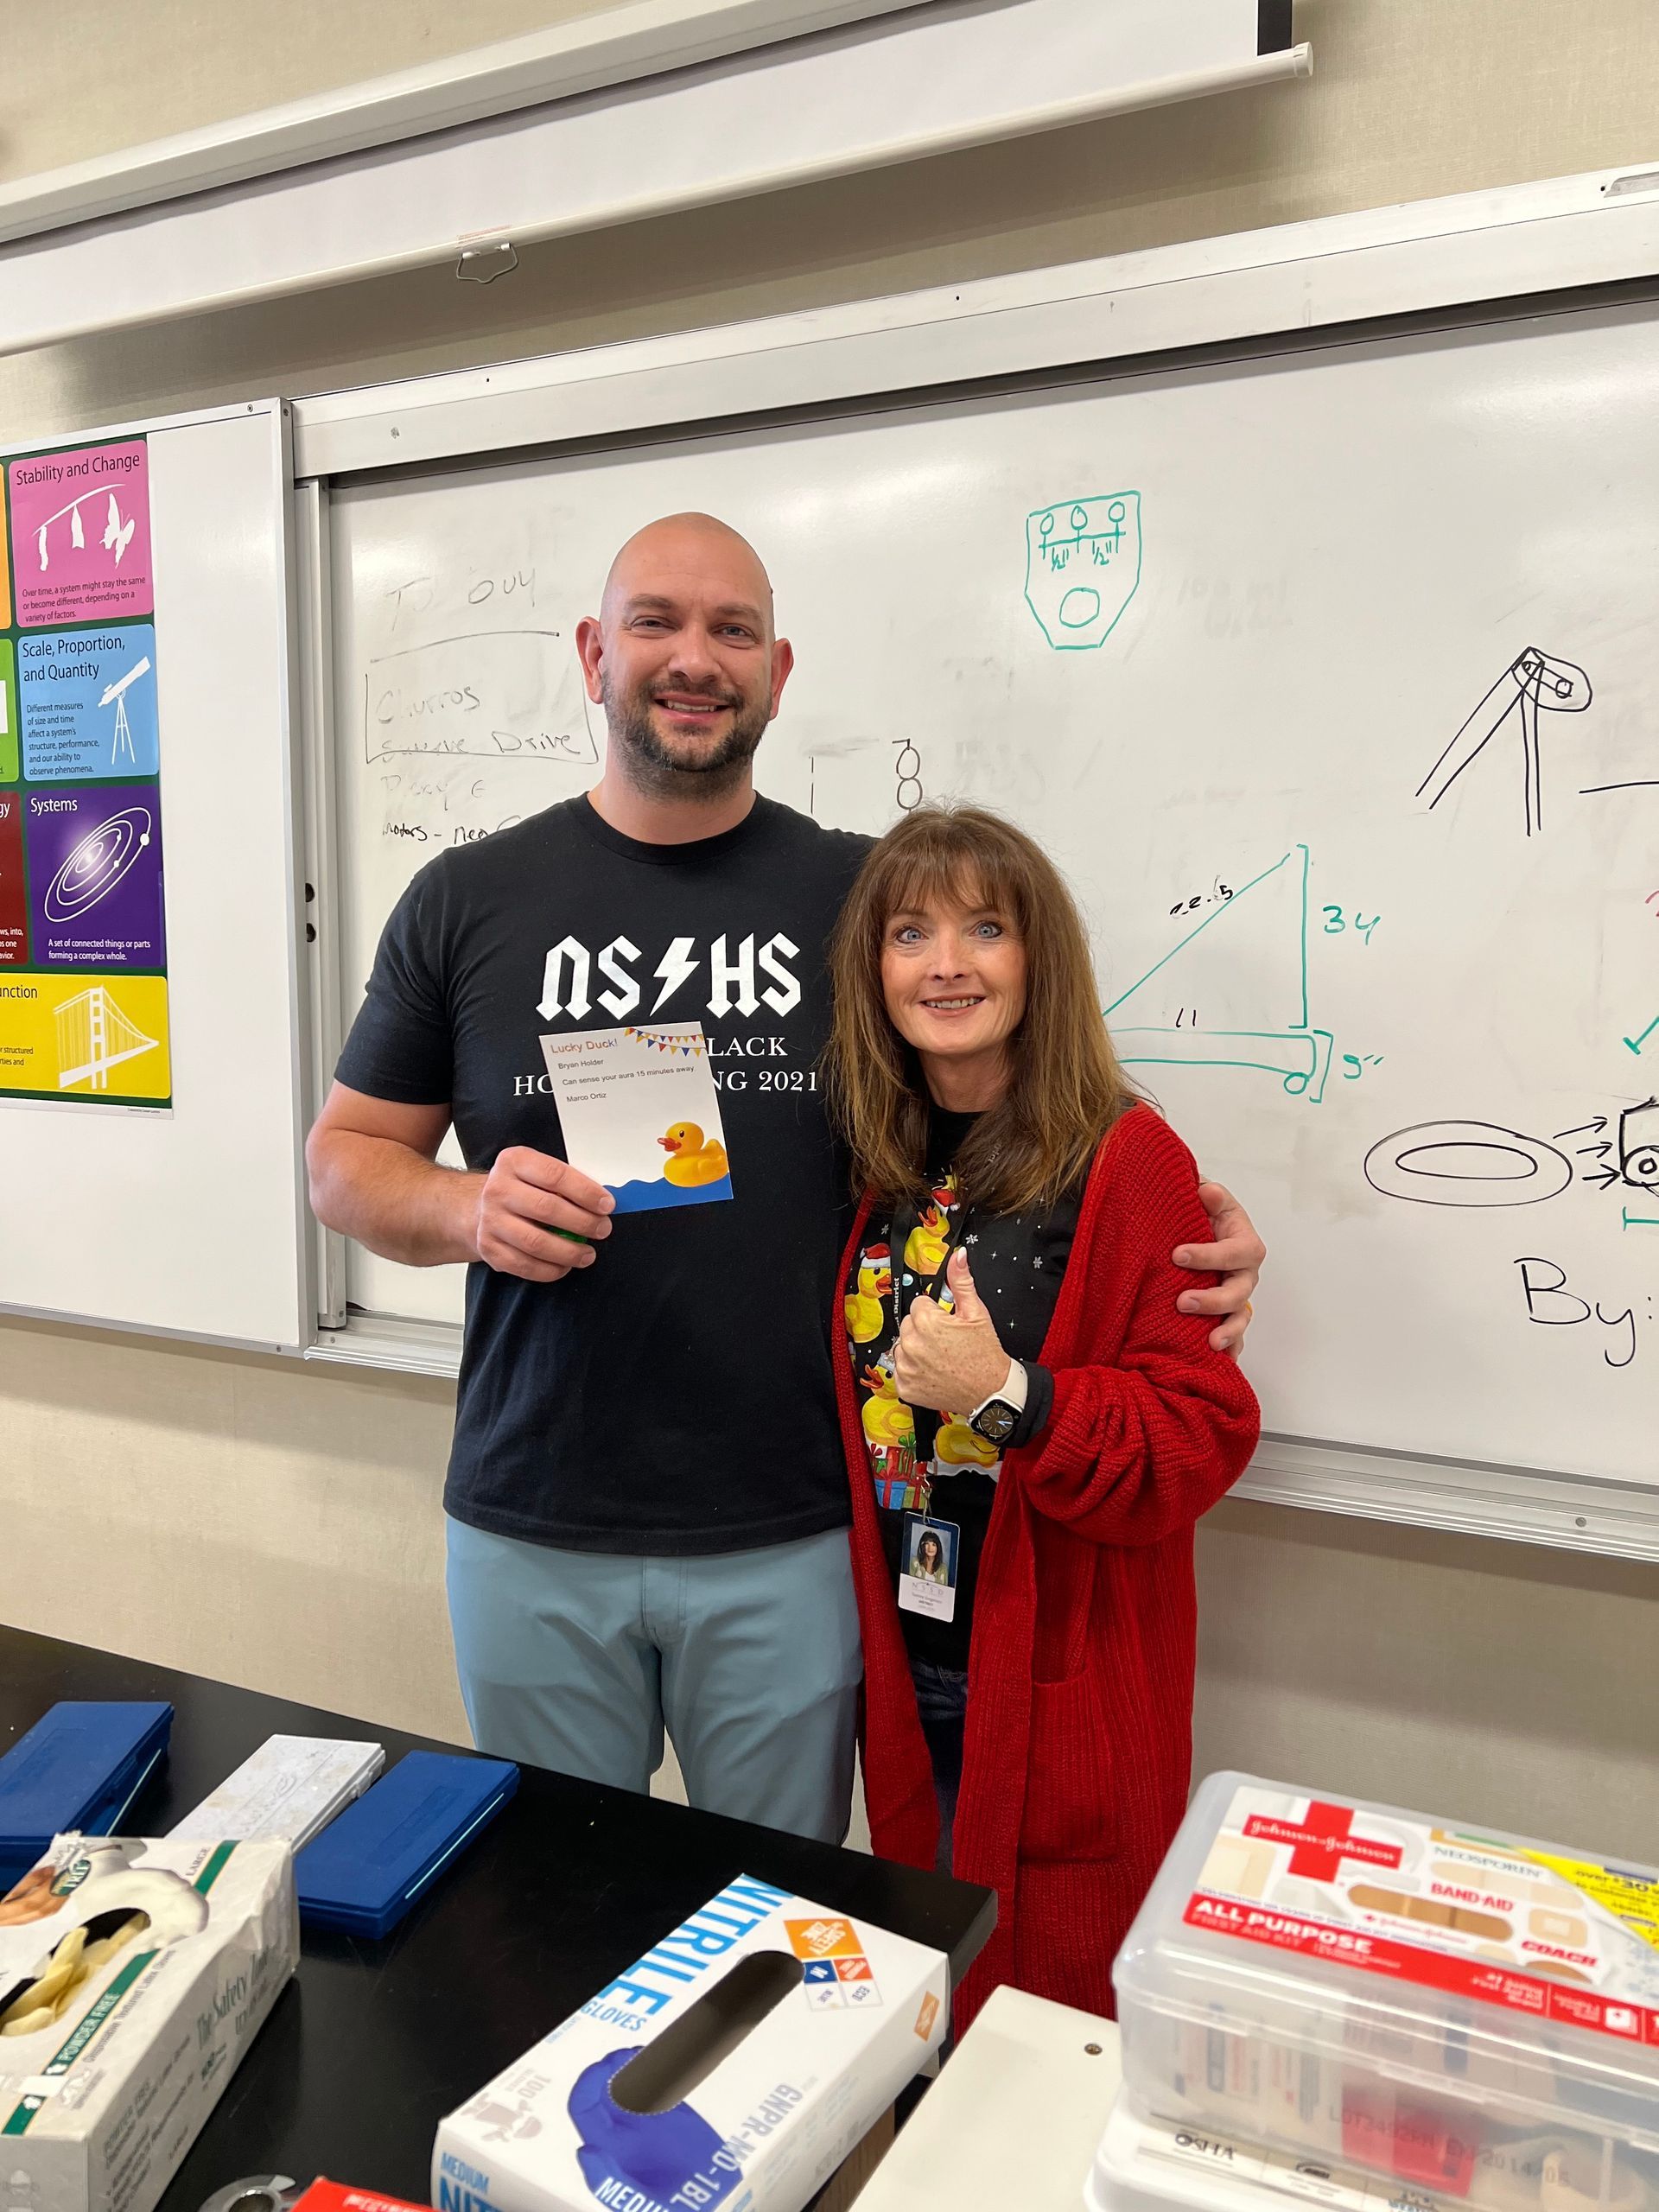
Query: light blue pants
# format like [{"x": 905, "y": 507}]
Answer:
[{"x": 577, "y": 1661}]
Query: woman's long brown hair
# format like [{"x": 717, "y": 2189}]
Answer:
[{"x": 1067, "y": 1087}]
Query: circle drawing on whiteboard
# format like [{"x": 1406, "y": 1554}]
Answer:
[
  {"x": 1079, "y": 608},
  {"x": 97, "y": 864},
  {"x": 1466, "y": 1164}
]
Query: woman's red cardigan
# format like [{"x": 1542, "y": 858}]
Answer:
[{"x": 1079, "y": 1733}]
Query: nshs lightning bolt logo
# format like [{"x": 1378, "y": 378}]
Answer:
[{"x": 733, "y": 973}]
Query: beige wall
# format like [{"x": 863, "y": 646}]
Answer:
[
  {"x": 279, "y": 1526},
  {"x": 1410, "y": 99}
]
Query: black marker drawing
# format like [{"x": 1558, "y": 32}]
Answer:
[
  {"x": 907, "y": 771},
  {"x": 1466, "y": 1164},
  {"x": 1479, "y": 1164},
  {"x": 1532, "y": 681},
  {"x": 1631, "y": 1158},
  {"x": 1638, "y": 1145},
  {"x": 1553, "y": 1306}
]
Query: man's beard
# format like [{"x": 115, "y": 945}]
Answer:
[{"x": 661, "y": 770}]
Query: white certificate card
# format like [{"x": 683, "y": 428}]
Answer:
[{"x": 640, "y": 1114}]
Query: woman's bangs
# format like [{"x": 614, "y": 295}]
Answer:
[{"x": 967, "y": 872}]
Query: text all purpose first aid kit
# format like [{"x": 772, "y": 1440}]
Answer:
[
  {"x": 1342, "y": 2001},
  {"x": 736, "y": 2064},
  {"x": 133, "y": 1976}
]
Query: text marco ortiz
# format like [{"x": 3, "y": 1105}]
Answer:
[{"x": 742, "y": 975}]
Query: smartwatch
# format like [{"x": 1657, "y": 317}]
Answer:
[{"x": 996, "y": 1417}]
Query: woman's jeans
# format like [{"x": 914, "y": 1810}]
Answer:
[{"x": 942, "y": 1701}]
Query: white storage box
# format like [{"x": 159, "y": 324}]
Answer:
[
  {"x": 1149, "y": 2166},
  {"x": 133, "y": 1976},
  {"x": 736, "y": 2064},
  {"x": 1472, "y": 2018}
]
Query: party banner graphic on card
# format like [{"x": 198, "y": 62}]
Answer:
[{"x": 84, "y": 1008}]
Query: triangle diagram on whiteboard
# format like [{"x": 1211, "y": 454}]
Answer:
[{"x": 1233, "y": 991}]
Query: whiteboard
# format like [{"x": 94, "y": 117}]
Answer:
[
  {"x": 1208, "y": 632},
  {"x": 191, "y": 1220}
]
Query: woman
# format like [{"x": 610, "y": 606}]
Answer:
[
  {"x": 928, "y": 1564},
  {"x": 1028, "y": 1725}
]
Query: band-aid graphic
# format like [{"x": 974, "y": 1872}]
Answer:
[
  {"x": 1558, "y": 1927},
  {"x": 1238, "y": 1867},
  {"x": 1433, "y": 1913}
]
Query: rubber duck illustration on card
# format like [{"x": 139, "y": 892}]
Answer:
[{"x": 692, "y": 1157}]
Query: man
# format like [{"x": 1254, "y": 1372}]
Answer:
[{"x": 647, "y": 1498}]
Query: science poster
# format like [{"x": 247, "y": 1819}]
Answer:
[{"x": 83, "y": 934}]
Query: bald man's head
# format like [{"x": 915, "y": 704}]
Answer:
[
  {"x": 689, "y": 543},
  {"x": 684, "y": 657}
]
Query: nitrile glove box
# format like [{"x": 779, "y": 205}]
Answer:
[
  {"x": 736, "y": 2064},
  {"x": 1466, "y": 2017},
  {"x": 133, "y": 1976}
]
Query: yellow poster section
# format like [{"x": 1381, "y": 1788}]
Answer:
[{"x": 86, "y": 1036}]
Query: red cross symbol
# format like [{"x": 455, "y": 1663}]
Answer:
[{"x": 1324, "y": 1839}]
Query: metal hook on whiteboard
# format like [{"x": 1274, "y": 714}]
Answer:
[{"x": 482, "y": 264}]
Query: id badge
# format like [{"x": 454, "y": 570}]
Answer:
[{"x": 929, "y": 1558}]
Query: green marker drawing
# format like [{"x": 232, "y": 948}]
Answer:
[
  {"x": 1233, "y": 993},
  {"x": 1083, "y": 567}
]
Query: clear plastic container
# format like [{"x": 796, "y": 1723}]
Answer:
[{"x": 1472, "y": 2018}]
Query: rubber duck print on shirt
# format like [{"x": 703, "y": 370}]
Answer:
[
  {"x": 692, "y": 1159},
  {"x": 958, "y": 1446},
  {"x": 863, "y": 1309},
  {"x": 929, "y": 1243},
  {"x": 887, "y": 1419}
]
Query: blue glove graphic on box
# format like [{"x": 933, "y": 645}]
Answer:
[{"x": 655, "y": 2152}]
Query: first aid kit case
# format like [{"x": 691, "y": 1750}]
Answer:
[{"x": 1465, "y": 2016}]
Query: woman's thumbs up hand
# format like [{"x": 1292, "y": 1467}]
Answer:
[
  {"x": 949, "y": 1361},
  {"x": 968, "y": 1303}
]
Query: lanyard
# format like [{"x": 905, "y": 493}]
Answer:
[
  {"x": 905, "y": 1219},
  {"x": 905, "y": 1222}
]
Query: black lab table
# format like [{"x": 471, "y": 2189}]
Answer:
[{"x": 372, "y": 2043}]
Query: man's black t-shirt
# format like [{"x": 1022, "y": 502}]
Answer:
[{"x": 677, "y": 1396}]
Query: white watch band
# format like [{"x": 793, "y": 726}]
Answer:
[{"x": 1012, "y": 1393}]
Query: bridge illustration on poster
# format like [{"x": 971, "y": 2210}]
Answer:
[
  {"x": 94, "y": 1036},
  {"x": 1233, "y": 992}
]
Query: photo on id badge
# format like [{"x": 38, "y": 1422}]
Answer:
[
  {"x": 928, "y": 1582},
  {"x": 641, "y": 1113}
]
